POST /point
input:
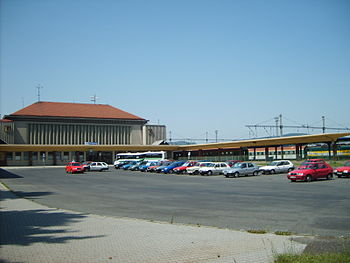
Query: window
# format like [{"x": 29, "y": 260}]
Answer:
[
  {"x": 250, "y": 165},
  {"x": 50, "y": 155},
  {"x": 34, "y": 156},
  {"x": 18, "y": 156},
  {"x": 9, "y": 156},
  {"x": 65, "y": 156},
  {"x": 43, "y": 155},
  {"x": 26, "y": 156}
]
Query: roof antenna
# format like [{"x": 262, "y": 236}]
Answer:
[
  {"x": 39, "y": 87},
  {"x": 94, "y": 98}
]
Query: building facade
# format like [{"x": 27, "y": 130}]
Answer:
[{"x": 52, "y": 123}]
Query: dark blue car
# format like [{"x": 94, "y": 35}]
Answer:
[{"x": 169, "y": 168}]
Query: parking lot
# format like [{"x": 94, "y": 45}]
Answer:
[{"x": 268, "y": 202}]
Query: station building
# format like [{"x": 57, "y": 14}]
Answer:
[
  {"x": 56, "y": 123},
  {"x": 52, "y": 133}
]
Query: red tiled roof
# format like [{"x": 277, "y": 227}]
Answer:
[
  {"x": 74, "y": 110},
  {"x": 5, "y": 120}
]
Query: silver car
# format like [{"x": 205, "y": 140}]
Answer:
[
  {"x": 242, "y": 169},
  {"x": 283, "y": 166},
  {"x": 213, "y": 168},
  {"x": 98, "y": 166}
]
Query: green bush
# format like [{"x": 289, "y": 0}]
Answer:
[{"x": 311, "y": 258}]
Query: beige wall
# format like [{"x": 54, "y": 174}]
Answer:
[
  {"x": 54, "y": 133},
  {"x": 152, "y": 133}
]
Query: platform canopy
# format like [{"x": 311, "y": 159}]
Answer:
[
  {"x": 268, "y": 142},
  {"x": 276, "y": 141}
]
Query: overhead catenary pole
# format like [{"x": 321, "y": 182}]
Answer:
[
  {"x": 94, "y": 98},
  {"x": 39, "y": 87},
  {"x": 304, "y": 126},
  {"x": 323, "y": 124},
  {"x": 281, "y": 126},
  {"x": 276, "y": 121}
]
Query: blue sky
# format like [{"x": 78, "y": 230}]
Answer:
[{"x": 196, "y": 66}]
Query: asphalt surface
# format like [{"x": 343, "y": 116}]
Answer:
[{"x": 268, "y": 203}]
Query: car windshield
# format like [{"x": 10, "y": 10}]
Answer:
[
  {"x": 237, "y": 165},
  {"x": 308, "y": 166},
  {"x": 274, "y": 163},
  {"x": 211, "y": 164},
  {"x": 204, "y": 164},
  {"x": 75, "y": 164}
]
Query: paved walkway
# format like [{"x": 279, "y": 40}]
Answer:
[{"x": 31, "y": 232}]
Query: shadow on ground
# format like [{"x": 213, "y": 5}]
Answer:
[
  {"x": 8, "y": 175},
  {"x": 27, "y": 226}
]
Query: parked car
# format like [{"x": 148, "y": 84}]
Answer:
[
  {"x": 213, "y": 168},
  {"x": 164, "y": 164},
  {"x": 242, "y": 169},
  {"x": 144, "y": 167},
  {"x": 312, "y": 161},
  {"x": 74, "y": 167},
  {"x": 98, "y": 166},
  {"x": 311, "y": 171},
  {"x": 119, "y": 164},
  {"x": 181, "y": 169},
  {"x": 232, "y": 162},
  {"x": 86, "y": 165},
  {"x": 128, "y": 165},
  {"x": 343, "y": 170},
  {"x": 155, "y": 166},
  {"x": 136, "y": 166},
  {"x": 169, "y": 168},
  {"x": 283, "y": 166},
  {"x": 195, "y": 169}
]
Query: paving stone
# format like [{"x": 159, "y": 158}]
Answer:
[{"x": 34, "y": 233}]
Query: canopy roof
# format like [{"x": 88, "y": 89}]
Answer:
[{"x": 292, "y": 140}]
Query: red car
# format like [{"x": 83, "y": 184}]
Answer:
[
  {"x": 343, "y": 171},
  {"x": 74, "y": 167},
  {"x": 181, "y": 169},
  {"x": 311, "y": 171},
  {"x": 312, "y": 161}
]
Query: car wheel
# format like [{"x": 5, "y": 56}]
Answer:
[
  {"x": 329, "y": 176},
  {"x": 290, "y": 169},
  {"x": 236, "y": 175},
  {"x": 210, "y": 173},
  {"x": 195, "y": 172},
  {"x": 272, "y": 172},
  {"x": 308, "y": 178},
  {"x": 256, "y": 173}
]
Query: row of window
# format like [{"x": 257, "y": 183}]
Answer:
[
  {"x": 19, "y": 156},
  {"x": 273, "y": 153}
]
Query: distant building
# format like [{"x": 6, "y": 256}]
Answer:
[{"x": 56, "y": 123}]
